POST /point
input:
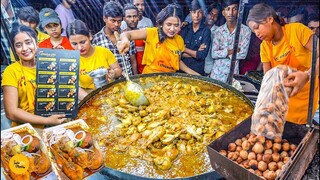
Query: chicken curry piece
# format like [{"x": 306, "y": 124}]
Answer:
[{"x": 168, "y": 138}]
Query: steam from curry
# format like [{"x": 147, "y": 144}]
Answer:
[{"x": 167, "y": 138}]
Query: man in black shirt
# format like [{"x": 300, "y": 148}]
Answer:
[{"x": 197, "y": 40}]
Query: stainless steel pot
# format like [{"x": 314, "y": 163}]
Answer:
[{"x": 99, "y": 77}]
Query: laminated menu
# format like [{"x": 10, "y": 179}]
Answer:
[
  {"x": 73, "y": 150},
  {"x": 57, "y": 82},
  {"x": 23, "y": 154}
]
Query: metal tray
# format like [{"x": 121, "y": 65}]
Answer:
[
  {"x": 303, "y": 137},
  {"x": 255, "y": 76},
  {"x": 246, "y": 79}
]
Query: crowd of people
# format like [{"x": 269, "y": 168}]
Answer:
[{"x": 195, "y": 45}]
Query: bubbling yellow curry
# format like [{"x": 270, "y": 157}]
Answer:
[{"x": 168, "y": 138}]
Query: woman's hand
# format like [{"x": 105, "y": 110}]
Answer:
[
  {"x": 123, "y": 46},
  {"x": 123, "y": 43},
  {"x": 56, "y": 119},
  {"x": 111, "y": 75},
  {"x": 296, "y": 80}
]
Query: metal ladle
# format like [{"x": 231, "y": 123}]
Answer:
[{"x": 133, "y": 92}]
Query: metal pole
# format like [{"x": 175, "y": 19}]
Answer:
[
  {"x": 312, "y": 79},
  {"x": 236, "y": 40}
]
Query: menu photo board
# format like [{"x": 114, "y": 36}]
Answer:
[{"x": 57, "y": 82}]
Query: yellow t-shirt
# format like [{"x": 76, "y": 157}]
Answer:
[
  {"x": 297, "y": 35},
  {"x": 24, "y": 79},
  {"x": 101, "y": 58},
  {"x": 174, "y": 47},
  {"x": 41, "y": 37}
]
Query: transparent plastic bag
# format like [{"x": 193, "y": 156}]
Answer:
[{"x": 271, "y": 108}]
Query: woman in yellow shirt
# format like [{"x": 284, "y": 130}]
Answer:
[
  {"x": 29, "y": 16},
  {"x": 19, "y": 81},
  {"x": 163, "y": 45},
  {"x": 91, "y": 57},
  {"x": 291, "y": 45}
]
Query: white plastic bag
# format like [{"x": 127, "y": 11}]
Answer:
[{"x": 271, "y": 108}]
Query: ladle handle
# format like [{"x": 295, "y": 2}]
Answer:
[{"x": 126, "y": 75}]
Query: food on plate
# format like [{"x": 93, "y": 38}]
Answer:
[
  {"x": 74, "y": 151},
  {"x": 23, "y": 141}
]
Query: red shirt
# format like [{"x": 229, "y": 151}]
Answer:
[
  {"x": 253, "y": 59},
  {"x": 47, "y": 44},
  {"x": 140, "y": 50}
]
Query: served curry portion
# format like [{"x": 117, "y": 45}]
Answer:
[
  {"x": 168, "y": 138},
  {"x": 24, "y": 142},
  {"x": 73, "y": 151}
]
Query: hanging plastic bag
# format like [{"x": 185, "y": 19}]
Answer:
[{"x": 271, "y": 108}]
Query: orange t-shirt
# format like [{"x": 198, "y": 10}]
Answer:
[
  {"x": 47, "y": 43},
  {"x": 162, "y": 57}
]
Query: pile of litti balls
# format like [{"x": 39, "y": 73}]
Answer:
[{"x": 263, "y": 157}]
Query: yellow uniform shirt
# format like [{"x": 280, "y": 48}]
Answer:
[
  {"x": 24, "y": 79},
  {"x": 298, "y": 36},
  {"x": 101, "y": 58},
  {"x": 162, "y": 57},
  {"x": 41, "y": 37},
  {"x": 291, "y": 51}
]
